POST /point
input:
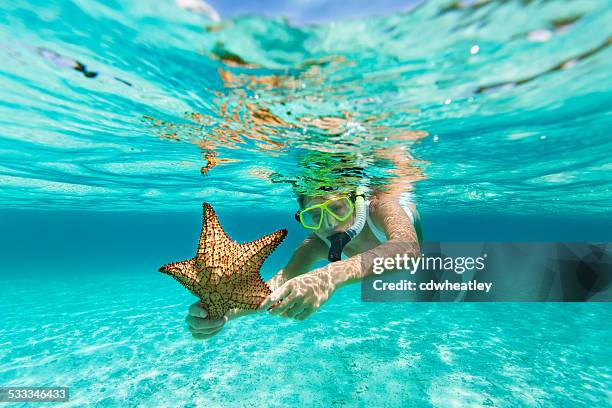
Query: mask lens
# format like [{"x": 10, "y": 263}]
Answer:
[
  {"x": 340, "y": 207},
  {"x": 311, "y": 218}
]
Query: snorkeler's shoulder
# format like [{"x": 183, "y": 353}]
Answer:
[
  {"x": 380, "y": 206},
  {"x": 382, "y": 201},
  {"x": 395, "y": 215}
]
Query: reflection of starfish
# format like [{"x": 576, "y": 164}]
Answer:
[{"x": 225, "y": 274}]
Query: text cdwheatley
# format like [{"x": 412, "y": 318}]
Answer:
[{"x": 408, "y": 285}]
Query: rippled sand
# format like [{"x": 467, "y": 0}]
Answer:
[{"x": 116, "y": 340}]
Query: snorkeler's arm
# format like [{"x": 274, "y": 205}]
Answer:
[{"x": 311, "y": 250}]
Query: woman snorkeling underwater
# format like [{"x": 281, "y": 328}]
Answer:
[{"x": 360, "y": 226}]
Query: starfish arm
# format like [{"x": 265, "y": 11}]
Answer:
[
  {"x": 214, "y": 245},
  {"x": 253, "y": 254},
  {"x": 186, "y": 273},
  {"x": 261, "y": 248}
]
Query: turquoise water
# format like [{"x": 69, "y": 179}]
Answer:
[
  {"x": 538, "y": 147},
  {"x": 498, "y": 115}
]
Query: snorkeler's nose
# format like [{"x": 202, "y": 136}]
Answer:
[{"x": 328, "y": 222}]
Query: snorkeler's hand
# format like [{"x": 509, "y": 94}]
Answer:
[
  {"x": 200, "y": 327},
  {"x": 299, "y": 297}
]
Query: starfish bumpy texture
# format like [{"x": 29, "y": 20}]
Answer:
[{"x": 225, "y": 274}]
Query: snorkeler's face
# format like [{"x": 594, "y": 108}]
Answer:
[{"x": 334, "y": 213}]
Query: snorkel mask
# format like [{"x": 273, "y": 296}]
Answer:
[{"x": 340, "y": 209}]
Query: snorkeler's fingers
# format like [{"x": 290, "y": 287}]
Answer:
[
  {"x": 199, "y": 333},
  {"x": 294, "y": 311},
  {"x": 205, "y": 324},
  {"x": 203, "y": 336},
  {"x": 273, "y": 297},
  {"x": 208, "y": 332},
  {"x": 197, "y": 310},
  {"x": 289, "y": 305},
  {"x": 305, "y": 307},
  {"x": 304, "y": 314}
]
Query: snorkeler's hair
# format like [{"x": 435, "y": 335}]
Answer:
[{"x": 301, "y": 198}]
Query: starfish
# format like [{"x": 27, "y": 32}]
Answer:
[{"x": 225, "y": 274}]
